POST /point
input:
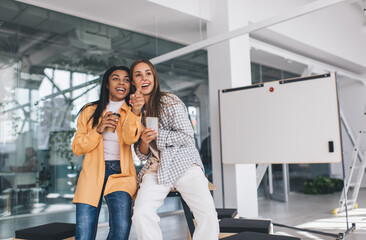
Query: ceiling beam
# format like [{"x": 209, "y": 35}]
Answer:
[
  {"x": 305, "y": 60},
  {"x": 297, "y": 12}
]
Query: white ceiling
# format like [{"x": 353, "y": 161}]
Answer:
[{"x": 137, "y": 15}]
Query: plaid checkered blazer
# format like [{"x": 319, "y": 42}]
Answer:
[{"x": 175, "y": 142}]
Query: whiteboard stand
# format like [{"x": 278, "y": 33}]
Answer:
[
  {"x": 357, "y": 168},
  {"x": 261, "y": 171},
  {"x": 281, "y": 194},
  {"x": 274, "y": 113}
]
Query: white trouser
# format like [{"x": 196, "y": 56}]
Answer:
[{"x": 193, "y": 187}]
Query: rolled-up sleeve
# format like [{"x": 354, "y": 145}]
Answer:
[
  {"x": 141, "y": 156},
  {"x": 132, "y": 128}
]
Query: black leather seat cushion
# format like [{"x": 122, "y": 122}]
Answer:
[
  {"x": 226, "y": 212},
  {"x": 54, "y": 231},
  {"x": 233, "y": 225},
  {"x": 258, "y": 236}
]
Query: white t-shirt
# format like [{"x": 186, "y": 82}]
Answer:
[{"x": 110, "y": 140}]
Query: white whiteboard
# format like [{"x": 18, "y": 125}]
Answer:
[{"x": 297, "y": 122}]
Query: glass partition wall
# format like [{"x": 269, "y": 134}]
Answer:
[{"x": 51, "y": 64}]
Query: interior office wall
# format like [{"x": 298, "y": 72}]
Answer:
[{"x": 335, "y": 35}]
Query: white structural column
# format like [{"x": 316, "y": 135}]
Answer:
[{"x": 229, "y": 66}]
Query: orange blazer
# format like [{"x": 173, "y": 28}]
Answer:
[{"x": 87, "y": 141}]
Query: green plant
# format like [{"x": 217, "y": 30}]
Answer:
[
  {"x": 322, "y": 185},
  {"x": 60, "y": 143}
]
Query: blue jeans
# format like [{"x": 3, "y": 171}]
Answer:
[{"x": 119, "y": 207}]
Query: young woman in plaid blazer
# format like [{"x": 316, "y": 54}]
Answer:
[{"x": 172, "y": 161}]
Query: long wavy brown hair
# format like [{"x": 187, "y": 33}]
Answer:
[{"x": 153, "y": 107}]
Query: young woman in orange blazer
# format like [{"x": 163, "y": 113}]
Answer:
[{"x": 107, "y": 169}]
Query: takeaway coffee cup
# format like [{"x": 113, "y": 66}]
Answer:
[{"x": 114, "y": 116}]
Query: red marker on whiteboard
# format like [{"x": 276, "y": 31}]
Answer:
[{"x": 271, "y": 89}]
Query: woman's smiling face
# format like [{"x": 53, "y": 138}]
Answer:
[
  {"x": 144, "y": 77},
  {"x": 118, "y": 85}
]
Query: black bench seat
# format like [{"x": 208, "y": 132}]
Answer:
[
  {"x": 258, "y": 236},
  {"x": 54, "y": 231},
  {"x": 238, "y": 225}
]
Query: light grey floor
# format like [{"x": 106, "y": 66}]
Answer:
[
  {"x": 302, "y": 211},
  {"x": 315, "y": 212}
]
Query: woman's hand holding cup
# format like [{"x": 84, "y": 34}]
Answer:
[
  {"x": 148, "y": 134},
  {"x": 109, "y": 122}
]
